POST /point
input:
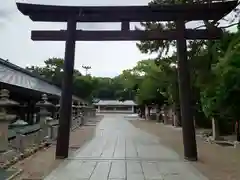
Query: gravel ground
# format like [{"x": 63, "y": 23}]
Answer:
[
  {"x": 215, "y": 162},
  {"x": 37, "y": 166}
]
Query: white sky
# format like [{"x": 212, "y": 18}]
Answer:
[{"x": 105, "y": 58}]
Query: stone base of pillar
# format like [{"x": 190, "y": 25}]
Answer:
[
  {"x": 54, "y": 132},
  {"x": 237, "y": 144},
  {"x": 175, "y": 120}
]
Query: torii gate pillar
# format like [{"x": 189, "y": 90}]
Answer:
[
  {"x": 66, "y": 96},
  {"x": 188, "y": 129}
]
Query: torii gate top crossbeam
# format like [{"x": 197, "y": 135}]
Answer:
[{"x": 196, "y": 11}]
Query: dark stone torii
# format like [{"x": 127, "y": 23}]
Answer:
[{"x": 126, "y": 14}]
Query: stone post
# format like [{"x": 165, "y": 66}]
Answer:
[
  {"x": 147, "y": 112},
  {"x": 80, "y": 114},
  {"x": 49, "y": 127},
  {"x": 175, "y": 120},
  {"x": 94, "y": 111},
  {"x": 44, "y": 114},
  {"x": 85, "y": 114},
  {"x": 158, "y": 113},
  {"x": 5, "y": 118},
  {"x": 78, "y": 109},
  {"x": 23, "y": 114},
  {"x": 165, "y": 115},
  {"x": 171, "y": 116},
  {"x": 215, "y": 129},
  {"x": 90, "y": 111},
  {"x": 58, "y": 110},
  {"x": 74, "y": 116},
  {"x": 34, "y": 118}
]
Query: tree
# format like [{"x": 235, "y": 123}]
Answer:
[
  {"x": 83, "y": 87},
  {"x": 220, "y": 99},
  {"x": 52, "y": 70}
]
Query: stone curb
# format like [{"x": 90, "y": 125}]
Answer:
[
  {"x": 15, "y": 174},
  {"x": 26, "y": 154}
]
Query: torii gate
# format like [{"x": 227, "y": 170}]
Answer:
[{"x": 126, "y": 14}]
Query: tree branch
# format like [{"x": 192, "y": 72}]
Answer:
[{"x": 228, "y": 26}]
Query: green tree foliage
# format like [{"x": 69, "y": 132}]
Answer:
[
  {"x": 220, "y": 98},
  {"x": 53, "y": 71},
  {"x": 83, "y": 86},
  {"x": 86, "y": 87},
  {"x": 214, "y": 68}
]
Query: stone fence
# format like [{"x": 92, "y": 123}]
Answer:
[
  {"x": 165, "y": 115},
  {"x": 19, "y": 136}
]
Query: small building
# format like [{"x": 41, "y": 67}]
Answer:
[{"x": 115, "y": 106}]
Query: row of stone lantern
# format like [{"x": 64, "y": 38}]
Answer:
[
  {"x": 6, "y": 118},
  {"x": 77, "y": 110}
]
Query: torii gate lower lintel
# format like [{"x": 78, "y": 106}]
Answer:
[{"x": 127, "y": 14}]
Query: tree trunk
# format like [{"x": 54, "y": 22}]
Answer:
[
  {"x": 142, "y": 111},
  {"x": 177, "y": 103},
  {"x": 158, "y": 113},
  {"x": 172, "y": 116},
  {"x": 215, "y": 129},
  {"x": 165, "y": 117},
  {"x": 148, "y": 110},
  {"x": 237, "y": 130}
]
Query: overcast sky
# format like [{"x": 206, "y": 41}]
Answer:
[{"x": 105, "y": 58}]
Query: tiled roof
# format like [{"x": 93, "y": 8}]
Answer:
[
  {"x": 15, "y": 75},
  {"x": 115, "y": 103}
]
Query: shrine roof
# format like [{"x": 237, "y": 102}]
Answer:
[
  {"x": 16, "y": 76},
  {"x": 115, "y": 103}
]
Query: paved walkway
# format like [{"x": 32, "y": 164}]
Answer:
[{"x": 122, "y": 152}]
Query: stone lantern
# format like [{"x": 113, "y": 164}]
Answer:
[
  {"x": 5, "y": 118},
  {"x": 44, "y": 114}
]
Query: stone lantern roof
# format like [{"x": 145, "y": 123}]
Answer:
[{"x": 5, "y": 101}]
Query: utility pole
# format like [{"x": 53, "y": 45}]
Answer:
[{"x": 86, "y": 68}]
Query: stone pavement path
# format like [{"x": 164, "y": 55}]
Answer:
[{"x": 122, "y": 152}]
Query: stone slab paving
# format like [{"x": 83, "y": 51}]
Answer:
[{"x": 122, "y": 152}]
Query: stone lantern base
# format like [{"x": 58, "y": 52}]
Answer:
[{"x": 7, "y": 155}]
